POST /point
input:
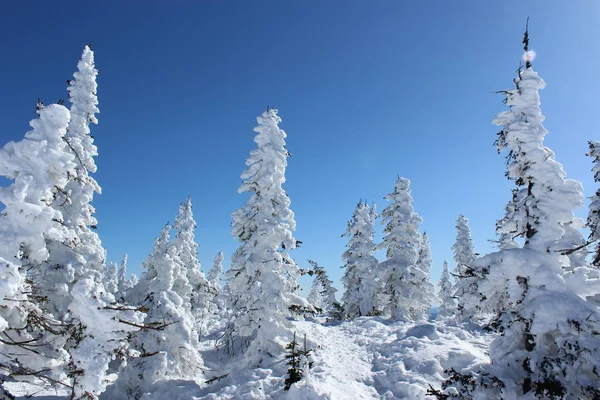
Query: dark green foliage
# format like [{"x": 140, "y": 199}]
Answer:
[{"x": 298, "y": 361}]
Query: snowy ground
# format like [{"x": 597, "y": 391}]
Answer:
[{"x": 367, "y": 358}]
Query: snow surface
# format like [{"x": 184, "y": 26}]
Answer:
[{"x": 366, "y": 358}]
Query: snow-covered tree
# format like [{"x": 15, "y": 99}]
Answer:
[
  {"x": 593, "y": 220},
  {"x": 192, "y": 286},
  {"x": 124, "y": 284},
  {"x": 549, "y": 346},
  {"x": 401, "y": 241},
  {"x": 361, "y": 266},
  {"x": 111, "y": 278},
  {"x": 464, "y": 252},
  {"x": 215, "y": 273},
  {"x": 322, "y": 293},
  {"x": 171, "y": 352},
  {"x": 424, "y": 295},
  {"x": 263, "y": 278},
  {"x": 38, "y": 166},
  {"x": 446, "y": 294}
]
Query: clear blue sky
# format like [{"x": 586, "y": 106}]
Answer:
[{"x": 368, "y": 90}]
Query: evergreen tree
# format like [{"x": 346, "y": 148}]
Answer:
[
  {"x": 549, "y": 344},
  {"x": 197, "y": 292},
  {"x": 360, "y": 287},
  {"x": 215, "y": 273},
  {"x": 263, "y": 278},
  {"x": 423, "y": 290},
  {"x": 111, "y": 278},
  {"x": 171, "y": 352},
  {"x": 446, "y": 294},
  {"x": 464, "y": 252},
  {"x": 124, "y": 284},
  {"x": 38, "y": 166},
  {"x": 402, "y": 241},
  {"x": 593, "y": 220},
  {"x": 322, "y": 293}
]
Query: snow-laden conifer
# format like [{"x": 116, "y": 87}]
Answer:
[
  {"x": 216, "y": 271},
  {"x": 593, "y": 219},
  {"x": 424, "y": 291},
  {"x": 361, "y": 266},
  {"x": 549, "y": 345},
  {"x": 111, "y": 278},
  {"x": 263, "y": 278},
  {"x": 446, "y": 294},
  {"x": 463, "y": 249},
  {"x": 196, "y": 290},
  {"x": 171, "y": 352},
  {"x": 401, "y": 241},
  {"x": 124, "y": 284},
  {"x": 38, "y": 166},
  {"x": 322, "y": 293}
]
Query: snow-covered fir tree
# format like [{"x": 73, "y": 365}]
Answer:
[
  {"x": 38, "y": 166},
  {"x": 216, "y": 271},
  {"x": 593, "y": 219},
  {"x": 549, "y": 345},
  {"x": 421, "y": 275},
  {"x": 361, "y": 266},
  {"x": 446, "y": 294},
  {"x": 111, "y": 278},
  {"x": 463, "y": 249},
  {"x": 401, "y": 241},
  {"x": 124, "y": 284},
  {"x": 171, "y": 352},
  {"x": 322, "y": 293},
  {"x": 263, "y": 278},
  {"x": 194, "y": 287}
]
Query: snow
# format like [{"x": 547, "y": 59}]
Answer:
[{"x": 366, "y": 358}]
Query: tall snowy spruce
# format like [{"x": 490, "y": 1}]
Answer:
[
  {"x": 421, "y": 275},
  {"x": 593, "y": 220},
  {"x": 197, "y": 291},
  {"x": 322, "y": 293},
  {"x": 361, "y": 266},
  {"x": 446, "y": 294},
  {"x": 402, "y": 242},
  {"x": 75, "y": 293},
  {"x": 549, "y": 344},
  {"x": 171, "y": 351},
  {"x": 263, "y": 278},
  {"x": 464, "y": 256},
  {"x": 463, "y": 249},
  {"x": 216, "y": 271}
]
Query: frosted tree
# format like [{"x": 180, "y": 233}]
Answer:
[
  {"x": 215, "y": 273},
  {"x": 464, "y": 252},
  {"x": 446, "y": 294},
  {"x": 549, "y": 344},
  {"x": 168, "y": 353},
  {"x": 401, "y": 241},
  {"x": 424, "y": 291},
  {"x": 111, "y": 278},
  {"x": 593, "y": 220},
  {"x": 322, "y": 293},
  {"x": 361, "y": 266},
  {"x": 38, "y": 166},
  {"x": 263, "y": 278},
  {"x": 124, "y": 284},
  {"x": 197, "y": 291}
]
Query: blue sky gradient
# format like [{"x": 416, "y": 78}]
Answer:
[{"x": 367, "y": 91}]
